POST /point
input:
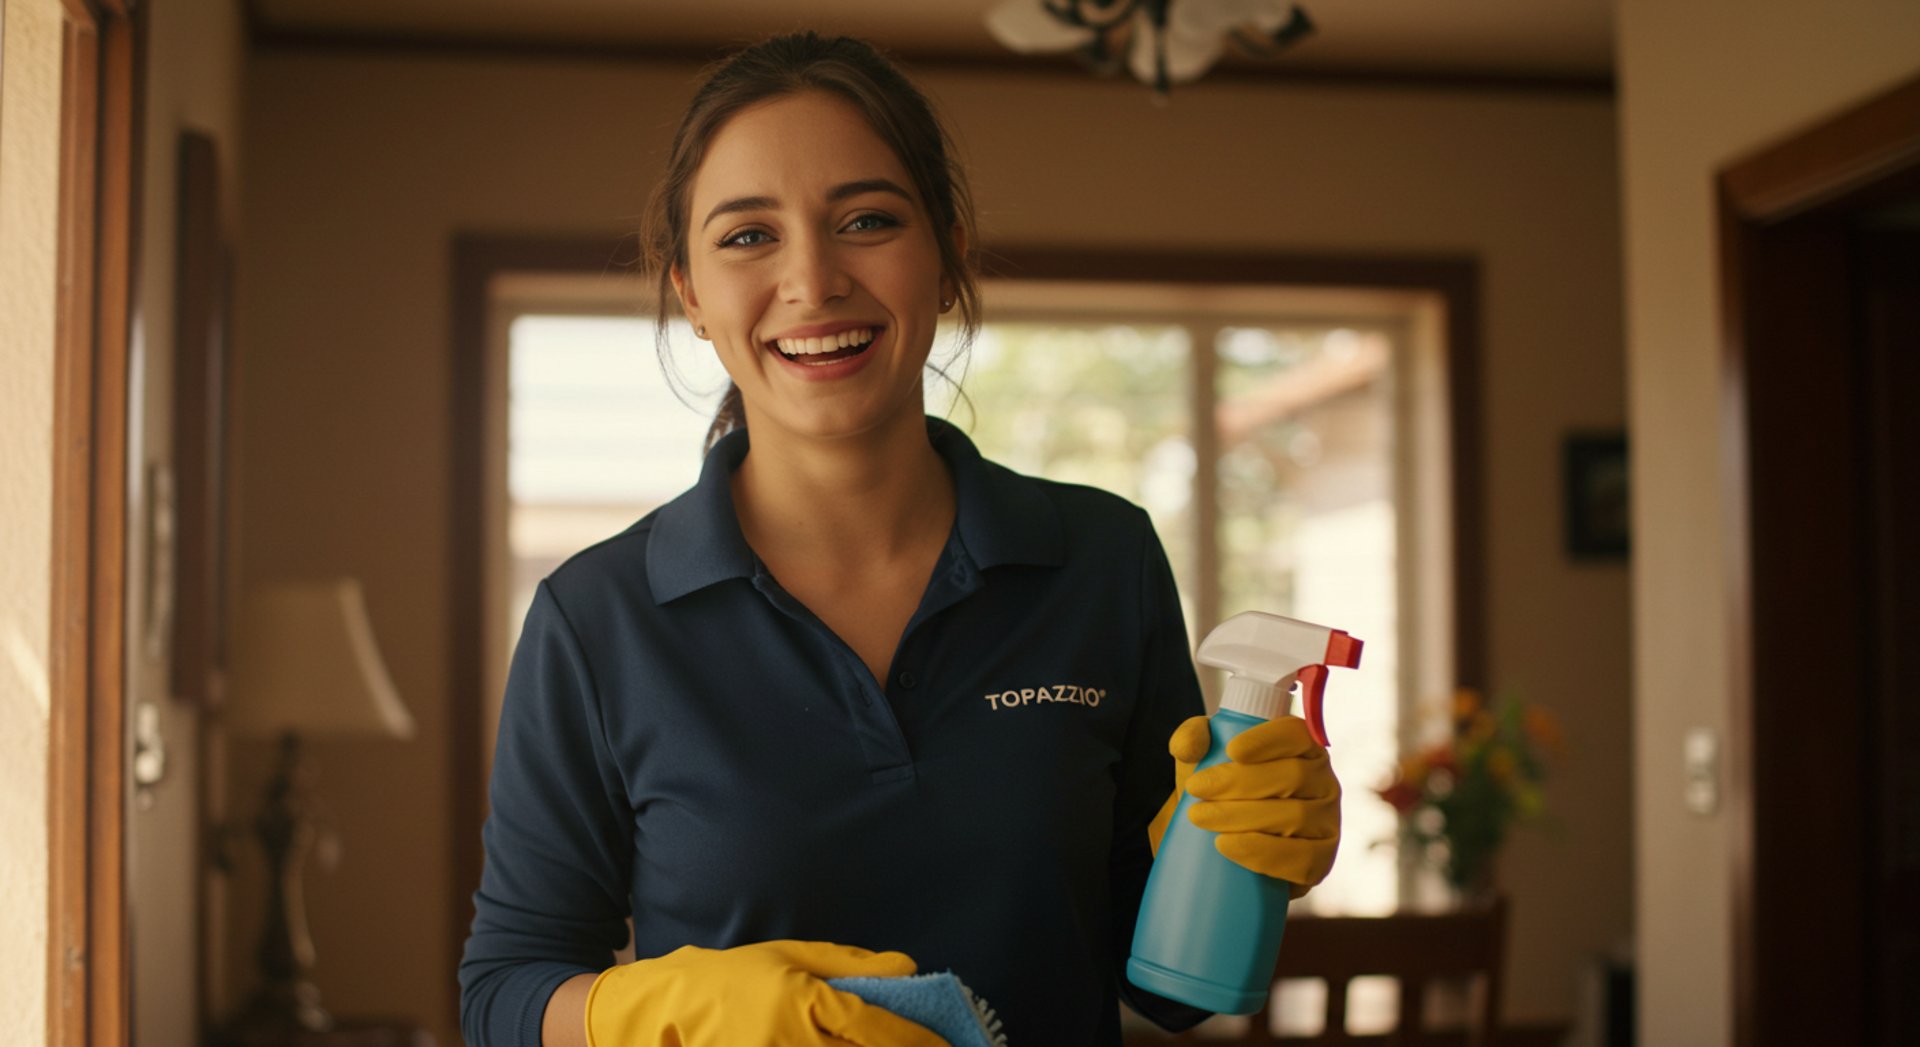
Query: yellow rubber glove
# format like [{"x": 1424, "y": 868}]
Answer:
[
  {"x": 1275, "y": 806},
  {"x": 764, "y": 993}
]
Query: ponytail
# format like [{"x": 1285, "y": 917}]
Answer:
[{"x": 731, "y": 415}]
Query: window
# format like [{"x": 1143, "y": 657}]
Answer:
[
  {"x": 1289, "y": 444},
  {"x": 1277, "y": 437},
  {"x": 585, "y": 434}
]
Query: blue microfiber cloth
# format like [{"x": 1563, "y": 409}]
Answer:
[{"x": 939, "y": 1001}]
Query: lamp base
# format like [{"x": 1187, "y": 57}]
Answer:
[
  {"x": 286, "y": 1001},
  {"x": 364, "y": 1032},
  {"x": 282, "y": 1007}
]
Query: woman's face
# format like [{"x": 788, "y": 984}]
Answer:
[{"x": 812, "y": 264}]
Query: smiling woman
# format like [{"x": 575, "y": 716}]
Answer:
[{"x": 749, "y": 730}]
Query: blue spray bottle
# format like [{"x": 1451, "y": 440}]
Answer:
[{"x": 1209, "y": 929}]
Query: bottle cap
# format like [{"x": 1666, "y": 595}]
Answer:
[{"x": 1255, "y": 697}]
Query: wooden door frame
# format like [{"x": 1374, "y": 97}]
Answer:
[
  {"x": 1796, "y": 958},
  {"x": 478, "y": 259},
  {"x": 88, "y": 977}
]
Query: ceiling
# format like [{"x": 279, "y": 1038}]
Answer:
[{"x": 1568, "y": 40}]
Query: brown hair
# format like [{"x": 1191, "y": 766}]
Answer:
[{"x": 898, "y": 112}]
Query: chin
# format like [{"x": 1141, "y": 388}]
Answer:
[{"x": 848, "y": 424}]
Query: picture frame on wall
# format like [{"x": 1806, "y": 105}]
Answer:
[
  {"x": 1597, "y": 488},
  {"x": 200, "y": 423}
]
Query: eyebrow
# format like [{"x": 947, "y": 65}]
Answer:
[{"x": 838, "y": 193}]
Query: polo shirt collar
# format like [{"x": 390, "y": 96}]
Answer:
[{"x": 1001, "y": 518}]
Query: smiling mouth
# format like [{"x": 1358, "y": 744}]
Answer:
[{"x": 827, "y": 349}]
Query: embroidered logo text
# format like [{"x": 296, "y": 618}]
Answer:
[{"x": 1072, "y": 694}]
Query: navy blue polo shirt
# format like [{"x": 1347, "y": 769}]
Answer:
[{"x": 684, "y": 742}]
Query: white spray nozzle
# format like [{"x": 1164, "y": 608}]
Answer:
[{"x": 1266, "y": 653}]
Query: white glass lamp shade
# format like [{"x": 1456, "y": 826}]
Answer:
[
  {"x": 1189, "y": 53},
  {"x": 1025, "y": 27},
  {"x": 1218, "y": 17},
  {"x": 1194, "y": 35},
  {"x": 305, "y": 660}
]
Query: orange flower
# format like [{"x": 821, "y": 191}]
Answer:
[
  {"x": 1544, "y": 729},
  {"x": 1466, "y": 702}
]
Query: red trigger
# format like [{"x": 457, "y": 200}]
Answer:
[{"x": 1313, "y": 689}]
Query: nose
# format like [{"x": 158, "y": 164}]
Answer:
[{"x": 812, "y": 273}]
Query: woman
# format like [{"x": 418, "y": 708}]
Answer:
[{"x": 860, "y": 701}]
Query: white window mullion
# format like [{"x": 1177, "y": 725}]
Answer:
[{"x": 1203, "y": 396}]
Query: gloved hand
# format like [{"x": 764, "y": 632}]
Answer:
[
  {"x": 764, "y": 993},
  {"x": 1275, "y": 806}
]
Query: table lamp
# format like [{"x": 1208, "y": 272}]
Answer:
[{"x": 305, "y": 666}]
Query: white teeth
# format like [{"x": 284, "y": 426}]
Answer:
[{"x": 826, "y": 344}]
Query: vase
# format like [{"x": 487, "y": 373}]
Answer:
[{"x": 1473, "y": 878}]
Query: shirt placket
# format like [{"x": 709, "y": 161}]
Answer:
[
  {"x": 870, "y": 706},
  {"x": 954, "y": 579},
  {"x": 883, "y": 745}
]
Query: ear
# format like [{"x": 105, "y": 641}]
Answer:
[
  {"x": 683, "y": 290},
  {"x": 949, "y": 287}
]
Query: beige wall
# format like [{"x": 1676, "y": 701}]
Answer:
[
  {"x": 361, "y": 168},
  {"x": 29, "y": 193},
  {"x": 193, "y": 58},
  {"x": 1703, "y": 84},
  {"x": 194, "y": 54}
]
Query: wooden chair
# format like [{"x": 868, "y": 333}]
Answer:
[{"x": 1416, "y": 949}]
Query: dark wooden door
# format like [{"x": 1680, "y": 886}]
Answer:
[
  {"x": 1887, "y": 258},
  {"x": 1821, "y": 268}
]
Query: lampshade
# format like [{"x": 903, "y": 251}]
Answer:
[
  {"x": 1026, "y": 27},
  {"x": 1162, "y": 42},
  {"x": 305, "y": 660}
]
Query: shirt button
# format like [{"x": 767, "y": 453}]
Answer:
[{"x": 907, "y": 681}]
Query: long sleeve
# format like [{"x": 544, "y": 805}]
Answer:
[
  {"x": 553, "y": 899},
  {"x": 1170, "y": 693}
]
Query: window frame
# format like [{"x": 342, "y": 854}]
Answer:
[{"x": 479, "y": 259}]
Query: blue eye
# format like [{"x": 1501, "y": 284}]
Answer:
[
  {"x": 746, "y": 238},
  {"x": 872, "y": 221}
]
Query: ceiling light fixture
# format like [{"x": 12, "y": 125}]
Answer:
[{"x": 1160, "y": 41}]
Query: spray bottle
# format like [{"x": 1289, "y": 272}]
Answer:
[{"x": 1209, "y": 929}]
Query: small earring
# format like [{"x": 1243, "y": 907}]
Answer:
[
  {"x": 701, "y": 331},
  {"x": 946, "y": 304}
]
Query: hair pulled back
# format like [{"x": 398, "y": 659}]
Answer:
[{"x": 897, "y": 111}]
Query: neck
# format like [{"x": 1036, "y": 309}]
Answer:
[{"x": 860, "y": 500}]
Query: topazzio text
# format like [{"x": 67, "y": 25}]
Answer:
[{"x": 1071, "y": 694}]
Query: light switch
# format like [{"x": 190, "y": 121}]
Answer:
[
  {"x": 149, "y": 753},
  {"x": 1702, "y": 756}
]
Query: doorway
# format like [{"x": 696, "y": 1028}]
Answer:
[{"x": 1820, "y": 239}]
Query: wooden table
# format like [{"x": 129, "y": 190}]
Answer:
[{"x": 364, "y": 1032}]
